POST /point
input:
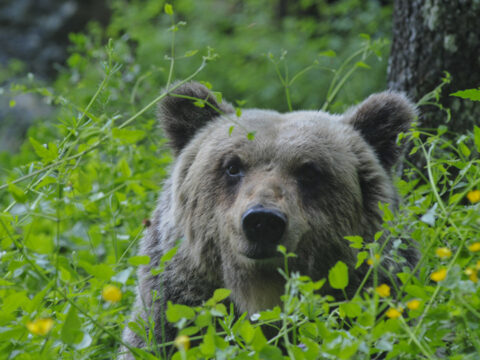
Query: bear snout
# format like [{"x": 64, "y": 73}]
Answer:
[{"x": 263, "y": 228}]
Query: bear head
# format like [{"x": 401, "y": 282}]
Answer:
[{"x": 305, "y": 181}]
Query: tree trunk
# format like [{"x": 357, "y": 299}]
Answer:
[{"x": 429, "y": 38}]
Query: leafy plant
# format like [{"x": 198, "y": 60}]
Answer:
[{"x": 77, "y": 197}]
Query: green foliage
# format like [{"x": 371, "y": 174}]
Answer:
[
  {"x": 338, "y": 276},
  {"x": 77, "y": 197},
  {"x": 471, "y": 94}
]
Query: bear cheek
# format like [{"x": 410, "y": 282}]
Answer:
[{"x": 229, "y": 236}]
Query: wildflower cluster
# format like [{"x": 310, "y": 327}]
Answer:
[{"x": 394, "y": 312}]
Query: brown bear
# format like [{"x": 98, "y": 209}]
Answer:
[{"x": 305, "y": 181}]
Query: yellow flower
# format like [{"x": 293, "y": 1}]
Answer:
[
  {"x": 383, "y": 290},
  {"x": 112, "y": 293},
  {"x": 474, "y": 196},
  {"x": 475, "y": 247},
  {"x": 40, "y": 326},
  {"x": 439, "y": 275},
  {"x": 182, "y": 342},
  {"x": 393, "y": 313},
  {"x": 413, "y": 304},
  {"x": 443, "y": 252},
  {"x": 374, "y": 260},
  {"x": 472, "y": 274}
]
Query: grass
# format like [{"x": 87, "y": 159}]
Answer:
[{"x": 76, "y": 198}]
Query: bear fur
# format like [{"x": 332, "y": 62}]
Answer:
[{"x": 305, "y": 181}]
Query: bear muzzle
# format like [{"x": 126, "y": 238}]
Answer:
[{"x": 264, "y": 229}]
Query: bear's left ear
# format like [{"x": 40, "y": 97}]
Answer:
[
  {"x": 180, "y": 116},
  {"x": 380, "y": 118}
]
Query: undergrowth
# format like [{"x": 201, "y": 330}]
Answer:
[{"x": 77, "y": 197}]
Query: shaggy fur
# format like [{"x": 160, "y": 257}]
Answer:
[{"x": 326, "y": 173}]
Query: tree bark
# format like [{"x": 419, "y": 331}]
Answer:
[{"x": 429, "y": 38}]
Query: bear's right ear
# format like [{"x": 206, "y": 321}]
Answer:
[
  {"x": 181, "y": 118},
  {"x": 379, "y": 119}
]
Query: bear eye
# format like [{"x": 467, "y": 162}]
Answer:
[
  {"x": 234, "y": 169},
  {"x": 308, "y": 173}
]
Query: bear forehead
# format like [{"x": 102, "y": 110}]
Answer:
[
  {"x": 290, "y": 137},
  {"x": 294, "y": 128}
]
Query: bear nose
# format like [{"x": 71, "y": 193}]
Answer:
[{"x": 262, "y": 225}]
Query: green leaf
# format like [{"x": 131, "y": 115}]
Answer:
[
  {"x": 169, "y": 255},
  {"x": 40, "y": 243},
  {"x": 464, "y": 149},
  {"x": 416, "y": 291},
  {"x": 81, "y": 181},
  {"x": 46, "y": 181},
  {"x": 168, "y": 9},
  {"x": 128, "y": 136},
  {"x": 361, "y": 64},
  {"x": 189, "y": 331},
  {"x": 365, "y": 36},
  {"x": 356, "y": 241},
  {"x": 273, "y": 314},
  {"x": 309, "y": 329},
  {"x": 328, "y": 53},
  {"x": 14, "y": 301},
  {"x": 203, "y": 319},
  {"x": 47, "y": 154},
  {"x": 259, "y": 340},
  {"x": 352, "y": 310},
  {"x": 176, "y": 312},
  {"x": 70, "y": 331},
  {"x": 208, "y": 345},
  {"x": 230, "y": 130},
  {"x": 199, "y": 103},
  {"x": 207, "y": 84},
  {"x": 270, "y": 352},
  {"x": 190, "y": 53},
  {"x": 312, "y": 351},
  {"x": 348, "y": 351},
  {"x": 219, "y": 295},
  {"x": 102, "y": 272},
  {"x": 17, "y": 193},
  {"x": 251, "y": 136},
  {"x": 246, "y": 331},
  {"x": 378, "y": 235},
  {"x": 6, "y": 231},
  {"x": 387, "y": 213},
  {"x": 124, "y": 168},
  {"x": 476, "y": 133},
  {"x": 361, "y": 257},
  {"x": 282, "y": 249},
  {"x": 136, "y": 188},
  {"x": 471, "y": 94},
  {"x": 338, "y": 276},
  {"x": 139, "y": 260},
  {"x": 220, "y": 310},
  {"x": 142, "y": 354},
  {"x": 40, "y": 296},
  {"x": 164, "y": 259},
  {"x": 218, "y": 96},
  {"x": 136, "y": 328}
]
